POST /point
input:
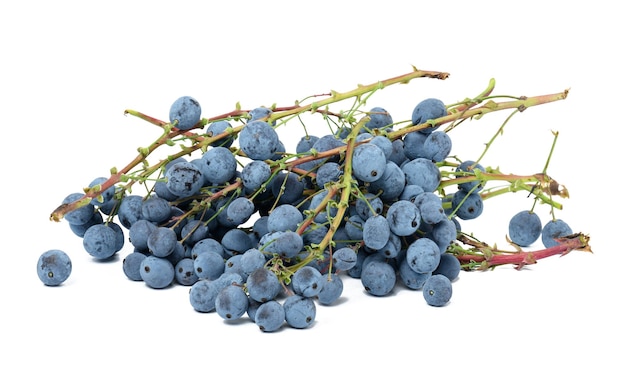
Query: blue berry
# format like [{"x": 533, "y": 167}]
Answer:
[
  {"x": 332, "y": 288},
  {"x": 229, "y": 278},
  {"x": 411, "y": 279},
  {"x": 216, "y": 128},
  {"x": 254, "y": 174},
  {"x": 184, "y": 179},
  {"x": 259, "y": 114},
  {"x": 554, "y": 229},
  {"x": 437, "y": 290},
  {"x": 423, "y": 255},
  {"x": 344, "y": 258},
  {"x": 306, "y": 143},
  {"x": 258, "y": 140},
  {"x": 449, "y": 266},
  {"x": 368, "y": 162},
  {"x": 202, "y": 295},
  {"x": 392, "y": 183},
  {"x": 284, "y": 217},
  {"x": 327, "y": 173},
  {"x": 100, "y": 241},
  {"x": 300, "y": 311},
  {"x": 326, "y": 143},
  {"x": 285, "y": 244},
  {"x": 239, "y": 211},
  {"x": 287, "y": 187},
  {"x": 468, "y": 205},
  {"x": 428, "y": 109},
  {"x": 207, "y": 244},
  {"x": 209, "y": 265},
  {"x": 263, "y": 285},
  {"x": 270, "y": 316},
  {"x": 156, "y": 272},
  {"x": 430, "y": 207},
  {"x": 161, "y": 190},
  {"x": 378, "y": 278},
  {"x": 392, "y": 248},
  {"x": 119, "y": 235},
  {"x": 130, "y": 210},
  {"x": 231, "y": 302},
  {"x": 185, "y": 112},
  {"x": 368, "y": 205},
  {"x": 410, "y": 192},
  {"x": 525, "y": 228},
  {"x": 218, "y": 165},
  {"x": 443, "y": 233},
  {"x": 397, "y": 155},
  {"x": 162, "y": 241},
  {"x": 437, "y": 146},
  {"x": 306, "y": 281},
  {"x": 252, "y": 260},
  {"x": 413, "y": 145},
  {"x": 354, "y": 227},
  {"x": 403, "y": 218},
  {"x": 131, "y": 265},
  {"x": 184, "y": 272},
  {"x": 379, "y": 118},
  {"x": 422, "y": 172},
  {"x": 193, "y": 231},
  {"x": 139, "y": 232},
  {"x": 236, "y": 241},
  {"x": 54, "y": 267},
  {"x": 155, "y": 209},
  {"x": 376, "y": 231},
  {"x": 233, "y": 265}
]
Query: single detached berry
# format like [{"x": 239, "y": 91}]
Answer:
[{"x": 54, "y": 267}]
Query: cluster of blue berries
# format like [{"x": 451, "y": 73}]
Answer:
[{"x": 254, "y": 231}]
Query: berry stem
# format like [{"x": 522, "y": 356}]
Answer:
[
  {"x": 491, "y": 106},
  {"x": 483, "y": 257},
  {"x": 345, "y": 186},
  {"x": 202, "y": 142},
  {"x": 360, "y": 90}
]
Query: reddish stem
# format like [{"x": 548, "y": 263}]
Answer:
[{"x": 521, "y": 258}]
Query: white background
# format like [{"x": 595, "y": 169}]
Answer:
[{"x": 68, "y": 70}]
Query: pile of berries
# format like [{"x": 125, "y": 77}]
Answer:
[{"x": 257, "y": 231}]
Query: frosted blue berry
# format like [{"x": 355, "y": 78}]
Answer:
[
  {"x": 157, "y": 272},
  {"x": 300, "y": 311},
  {"x": 525, "y": 228},
  {"x": 437, "y": 290},
  {"x": 185, "y": 112},
  {"x": 54, "y": 267},
  {"x": 100, "y": 241},
  {"x": 332, "y": 288},
  {"x": 378, "y": 278},
  {"x": 270, "y": 316},
  {"x": 554, "y": 229},
  {"x": 131, "y": 265},
  {"x": 423, "y": 255},
  {"x": 231, "y": 302},
  {"x": 428, "y": 109}
]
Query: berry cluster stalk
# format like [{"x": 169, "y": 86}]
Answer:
[{"x": 481, "y": 256}]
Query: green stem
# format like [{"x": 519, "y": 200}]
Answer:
[
  {"x": 344, "y": 202},
  {"x": 360, "y": 90},
  {"x": 490, "y": 106}
]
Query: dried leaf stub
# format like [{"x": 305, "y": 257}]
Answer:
[{"x": 550, "y": 186}]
